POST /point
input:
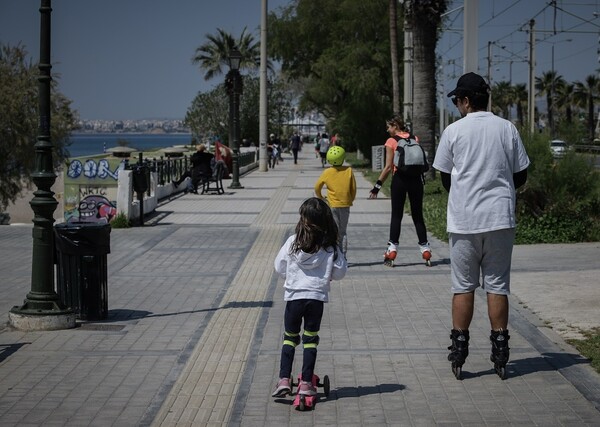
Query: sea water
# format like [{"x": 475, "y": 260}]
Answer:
[{"x": 82, "y": 145}]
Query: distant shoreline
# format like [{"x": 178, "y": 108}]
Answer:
[{"x": 129, "y": 133}]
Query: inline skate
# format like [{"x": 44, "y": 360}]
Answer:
[
  {"x": 390, "y": 254},
  {"x": 500, "y": 351},
  {"x": 426, "y": 253},
  {"x": 459, "y": 350}
]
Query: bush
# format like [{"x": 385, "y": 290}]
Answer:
[
  {"x": 435, "y": 201},
  {"x": 120, "y": 221},
  {"x": 560, "y": 201}
]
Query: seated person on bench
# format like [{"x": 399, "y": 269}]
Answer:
[{"x": 201, "y": 168}]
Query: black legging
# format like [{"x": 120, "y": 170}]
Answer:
[
  {"x": 295, "y": 311},
  {"x": 413, "y": 186}
]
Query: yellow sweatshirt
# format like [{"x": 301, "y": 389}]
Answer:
[{"x": 341, "y": 186}]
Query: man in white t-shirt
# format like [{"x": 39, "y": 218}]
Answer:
[{"x": 482, "y": 161}]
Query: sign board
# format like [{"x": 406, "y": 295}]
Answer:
[{"x": 377, "y": 157}]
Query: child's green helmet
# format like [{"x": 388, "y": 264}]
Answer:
[{"x": 336, "y": 155}]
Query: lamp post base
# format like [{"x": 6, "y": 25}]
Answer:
[
  {"x": 235, "y": 185},
  {"x": 27, "y": 320}
]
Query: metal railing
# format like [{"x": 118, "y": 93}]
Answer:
[{"x": 170, "y": 169}]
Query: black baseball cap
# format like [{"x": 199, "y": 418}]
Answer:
[{"x": 470, "y": 83}]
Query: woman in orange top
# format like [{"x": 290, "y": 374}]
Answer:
[{"x": 402, "y": 185}]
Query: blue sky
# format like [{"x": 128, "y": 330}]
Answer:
[{"x": 131, "y": 59}]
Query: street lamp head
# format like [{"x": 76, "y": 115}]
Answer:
[{"x": 235, "y": 57}]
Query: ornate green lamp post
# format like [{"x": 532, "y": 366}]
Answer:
[
  {"x": 234, "y": 86},
  {"x": 42, "y": 309}
]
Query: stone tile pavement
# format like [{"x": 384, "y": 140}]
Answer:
[{"x": 196, "y": 317}]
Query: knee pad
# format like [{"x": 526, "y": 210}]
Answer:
[
  {"x": 310, "y": 339},
  {"x": 291, "y": 339}
]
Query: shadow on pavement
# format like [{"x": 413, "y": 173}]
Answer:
[
  {"x": 124, "y": 314},
  {"x": 345, "y": 392},
  {"x": 545, "y": 362},
  {"x": 6, "y": 350}
]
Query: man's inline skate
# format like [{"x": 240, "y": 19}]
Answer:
[
  {"x": 426, "y": 253},
  {"x": 500, "y": 351},
  {"x": 307, "y": 396},
  {"x": 459, "y": 350},
  {"x": 390, "y": 254}
]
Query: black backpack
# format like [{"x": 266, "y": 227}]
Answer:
[{"x": 409, "y": 157}]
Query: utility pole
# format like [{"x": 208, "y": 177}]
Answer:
[
  {"x": 470, "y": 36},
  {"x": 408, "y": 66},
  {"x": 489, "y": 74},
  {"x": 531, "y": 94}
]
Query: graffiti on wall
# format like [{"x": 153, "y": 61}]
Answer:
[
  {"x": 91, "y": 189},
  {"x": 94, "y": 209}
]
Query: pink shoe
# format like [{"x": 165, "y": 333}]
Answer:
[
  {"x": 306, "y": 388},
  {"x": 283, "y": 388}
]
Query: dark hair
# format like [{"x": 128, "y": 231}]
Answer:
[
  {"x": 316, "y": 229},
  {"x": 397, "y": 121},
  {"x": 478, "y": 100}
]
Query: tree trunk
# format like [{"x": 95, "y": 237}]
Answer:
[
  {"x": 425, "y": 21},
  {"x": 394, "y": 57}
]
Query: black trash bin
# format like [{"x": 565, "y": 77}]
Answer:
[{"x": 81, "y": 258}]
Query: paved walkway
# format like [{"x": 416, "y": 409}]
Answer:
[{"x": 196, "y": 316}]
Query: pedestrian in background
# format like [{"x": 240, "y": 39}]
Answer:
[
  {"x": 482, "y": 160},
  {"x": 323, "y": 147},
  {"x": 295, "y": 146},
  {"x": 308, "y": 261}
]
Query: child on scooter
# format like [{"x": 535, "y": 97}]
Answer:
[{"x": 308, "y": 261}]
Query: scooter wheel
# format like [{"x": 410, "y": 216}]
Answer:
[
  {"x": 302, "y": 403},
  {"x": 326, "y": 385}
]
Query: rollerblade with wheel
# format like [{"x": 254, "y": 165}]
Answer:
[
  {"x": 500, "y": 351},
  {"x": 426, "y": 253},
  {"x": 459, "y": 350},
  {"x": 390, "y": 254},
  {"x": 307, "y": 396}
]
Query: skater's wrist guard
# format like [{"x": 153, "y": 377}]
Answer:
[{"x": 376, "y": 187}]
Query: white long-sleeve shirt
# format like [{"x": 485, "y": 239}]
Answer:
[{"x": 307, "y": 276}]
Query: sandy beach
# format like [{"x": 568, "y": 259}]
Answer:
[{"x": 21, "y": 212}]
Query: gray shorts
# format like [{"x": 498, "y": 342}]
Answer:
[{"x": 486, "y": 255}]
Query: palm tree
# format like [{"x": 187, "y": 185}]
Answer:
[
  {"x": 586, "y": 93},
  {"x": 520, "y": 100},
  {"x": 502, "y": 97},
  {"x": 213, "y": 54},
  {"x": 548, "y": 85},
  {"x": 425, "y": 18},
  {"x": 565, "y": 100}
]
